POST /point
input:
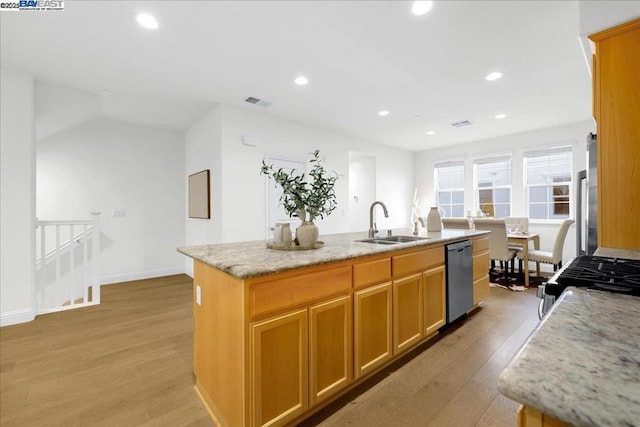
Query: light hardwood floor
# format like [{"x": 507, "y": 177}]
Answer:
[{"x": 128, "y": 362}]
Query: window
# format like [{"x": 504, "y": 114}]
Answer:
[
  {"x": 450, "y": 188},
  {"x": 493, "y": 185},
  {"x": 548, "y": 183}
]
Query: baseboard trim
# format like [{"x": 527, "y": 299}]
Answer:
[
  {"x": 17, "y": 316},
  {"x": 141, "y": 275}
]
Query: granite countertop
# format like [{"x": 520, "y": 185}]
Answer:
[
  {"x": 617, "y": 253},
  {"x": 251, "y": 259},
  {"x": 581, "y": 364}
]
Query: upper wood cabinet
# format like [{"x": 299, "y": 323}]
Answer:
[{"x": 616, "y": 86}]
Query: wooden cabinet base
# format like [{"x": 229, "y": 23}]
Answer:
[
  {"x": 272, "y": 350},
  {"x": 529, "y": 417}
]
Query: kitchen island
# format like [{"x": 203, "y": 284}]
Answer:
[
  {"x": 581, "y": 365},
  {"x": 280, "y": 334}
]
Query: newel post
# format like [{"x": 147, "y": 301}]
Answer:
[{"x": 96, "y": 275}]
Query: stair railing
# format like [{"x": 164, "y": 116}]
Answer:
[{"x": 67, "y": 269}]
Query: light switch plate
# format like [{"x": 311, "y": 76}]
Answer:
[{"x": 198, "y": 295}]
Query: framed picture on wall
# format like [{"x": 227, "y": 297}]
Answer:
[{"x": 199, "y": 200}]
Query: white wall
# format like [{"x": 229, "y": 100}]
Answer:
[
  {"x": 244, "y": 195},
  {"x": 362, "y": 190},
  {"x": 238, "y": 197},
  {"x": 17, "y": 186},
  {"x": 106, "y": 165},
  {"x": 574, "y": 134},
  {"x": 203, "y": 151}
]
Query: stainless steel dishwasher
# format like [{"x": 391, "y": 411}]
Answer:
[{"x": 459, "y": 279}]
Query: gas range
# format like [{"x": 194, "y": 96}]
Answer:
[{"x": 618, "y": 275}]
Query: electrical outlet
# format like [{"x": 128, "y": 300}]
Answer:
[
  {"x": 198, "y": 295},
  {"x": 118, "y": 213}
]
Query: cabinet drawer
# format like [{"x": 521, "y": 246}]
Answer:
[
  {"x": 418, "y": 261},
  {"x": 277, "y": 294},
  {"x": 368, "y": 273},
  {"x": 480, "y": 245},
  {"x": 480, "y": 289},
  {"x": 480, "y": 265}
]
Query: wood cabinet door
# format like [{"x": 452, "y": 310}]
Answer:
[
  {"x": 279, "y": 369},
  {"x": 480, "y": 276},
  {"x": 617, "y": 93},
  {"x": 372, "y": 329},
  {"x": 330, "y": 351},
  {"x": 407, "y": 312},
  {"x": 435, "y": 299}
]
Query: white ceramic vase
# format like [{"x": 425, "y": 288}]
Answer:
[
  {"x": 434, "y": 221},
  {"x": 282, "y": 234},
  {"x": 307, "y": 234}
]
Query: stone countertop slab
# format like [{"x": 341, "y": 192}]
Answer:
[
  {"x": 618, "y": 253},
  {"x": 581, "y": 364},
  {"x": 250, "y": 259}
]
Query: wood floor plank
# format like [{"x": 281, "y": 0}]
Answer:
[{"x": 129, "y": 362}]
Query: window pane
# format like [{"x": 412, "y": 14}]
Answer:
[
  {"x": 457, "y": 210},
  {"x": 537, "y": 194},
  {"x": 447, "y": 210},
  {"x": 444, "y": 197},
  {"x": 502, "y": 195},
  {"x": 457, "y": 197},
  {"x": 552, "y": 199},
  {"x": 485, "y": 196},
  {"x": 457, "y": 179},
  {"x": 450, "y": 177},
  {"x": 501, "y": 210},
  {"x": 538, "y": 210}
]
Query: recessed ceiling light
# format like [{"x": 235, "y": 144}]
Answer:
[
  {"x": 383, "y": 113},
  {"x": 501, "y": 116},
  {"x": 431, "y": 132},
  {"x": 494, "y": 76},
  {"x": 106, "y": 92},
  {"x": 147, "y": 21},
  {"x": 420, "y": 8},
  {"x": 301, "y": 80},
  {"x": 417, "y": 117}
]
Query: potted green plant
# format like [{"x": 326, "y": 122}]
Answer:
[{"x": 306, "y": 199}]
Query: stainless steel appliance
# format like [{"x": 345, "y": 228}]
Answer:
[
  {"x": 618, "y": 275},
  {"x": 459, "y": 279},
  {"x": 587, "y": 201}
]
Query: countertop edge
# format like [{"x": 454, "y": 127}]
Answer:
[{"x": 245, "y": 260}]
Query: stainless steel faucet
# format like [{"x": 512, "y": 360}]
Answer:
[
  {"x": 372, "y": 226},
  {"x": 415, "y": 225}
]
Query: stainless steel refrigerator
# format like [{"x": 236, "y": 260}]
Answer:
[{"x": 587, "y": 202}]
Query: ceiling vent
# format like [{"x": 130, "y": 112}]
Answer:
[
  {"x": 462, "y": 123},
  {"x": 257, "y": 101}
]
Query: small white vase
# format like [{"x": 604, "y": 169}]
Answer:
[
  {"x": 307, "y": 234},
  {"x": 434, "y": 221},
  {"x": 282, "y": 234}
]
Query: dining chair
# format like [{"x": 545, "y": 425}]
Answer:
[
  {"x": 554, "y": 256},
  {"x": 498, "y": 244},
  {"x": 460, "y": 223}
]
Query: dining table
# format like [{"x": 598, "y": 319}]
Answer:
[{"x": 522, "y": 238}]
